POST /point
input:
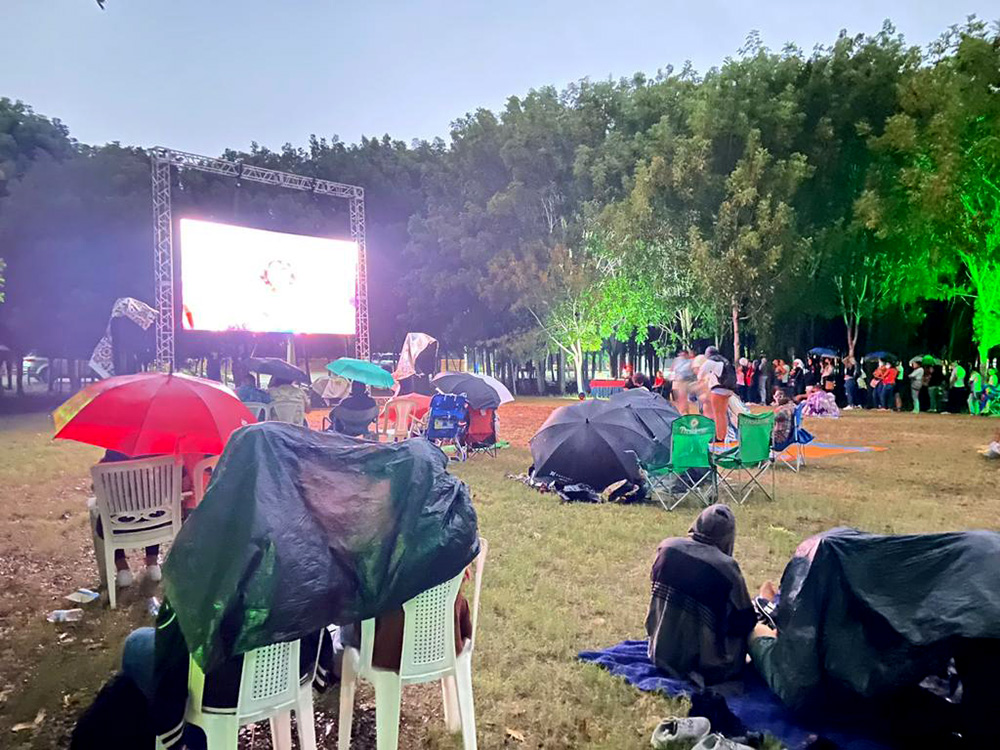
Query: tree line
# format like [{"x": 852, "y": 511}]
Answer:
[{"x": 846, "y": 197}]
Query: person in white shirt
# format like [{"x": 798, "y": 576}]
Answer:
[{"x": 916, "y": 383}]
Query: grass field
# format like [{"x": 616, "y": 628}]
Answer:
[{"x": 560, "y": 578}]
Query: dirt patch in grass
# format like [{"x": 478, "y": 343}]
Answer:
[{"x": 560, "y": 578}]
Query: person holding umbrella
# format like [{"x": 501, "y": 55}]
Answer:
[{"x": 354, "y": 415}]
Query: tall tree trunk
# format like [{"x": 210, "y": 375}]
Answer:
[
  {"x": 578, "y": 366},
  {"x": 19, "y": 373},
  {"x": 540, "y": 374},
  {"x": 560, "y": 373},
  {"x": 736, "y": 331},
  {"x": 585, "y": 369}
]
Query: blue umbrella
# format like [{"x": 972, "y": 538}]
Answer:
[{"x": 822, "y": 351}]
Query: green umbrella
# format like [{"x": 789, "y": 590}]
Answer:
[{"x": 360, "y": 370}]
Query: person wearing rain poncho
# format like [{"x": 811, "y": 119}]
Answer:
[{"x": 700, "y": 612}]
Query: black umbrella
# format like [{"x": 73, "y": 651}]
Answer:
[
  {"x": 479, "y": 393},
  {"x": 590, "y": 442},
  {"x": 888, "y": 356},
  {"x": 277, "y": 368},
  {"x": 654, "y": 413}
]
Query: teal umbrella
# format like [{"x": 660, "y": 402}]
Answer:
[{"x": 360, "y": 370}]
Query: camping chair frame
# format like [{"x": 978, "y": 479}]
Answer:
[
  {"x": 690, "y": 448},
  {"x": 448, "y": 423},
  {"x": 751, "y": 459},
  {"x": 488, "y": 447}
]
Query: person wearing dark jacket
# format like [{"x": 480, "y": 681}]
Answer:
[
  {"x": 700, "y": 612},
  {"x": 157, "y": 661},
  {"x": 354, "y": 415}
]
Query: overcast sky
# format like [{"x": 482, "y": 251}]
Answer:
[{"x": 203, "y": 75}]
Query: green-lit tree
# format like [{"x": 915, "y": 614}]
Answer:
[
  {"x": 936, "y": 189},
  {"x": 752, "y": 241}
]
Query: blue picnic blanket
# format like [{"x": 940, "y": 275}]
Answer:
[{"x": 752, "y": 701}]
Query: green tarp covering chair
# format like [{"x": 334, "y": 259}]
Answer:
[
  {"x": 741, "y": 469},
  {"x": 690, "y": 464}
]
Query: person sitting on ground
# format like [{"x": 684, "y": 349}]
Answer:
[
  {"x": 248, "y": 392},
  {"x": 354, "y": 415},
  {"x": 700, "y": 612}
]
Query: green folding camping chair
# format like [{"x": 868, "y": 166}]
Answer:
[
  {"x": 690, "y": 464},
  {"x": 750, "y": 459}
]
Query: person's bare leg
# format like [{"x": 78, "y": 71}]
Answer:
[
  {"x": 768, "y": 590},
  {"x": 720, "y": 406},
  {"x": 681, "y": 396}
]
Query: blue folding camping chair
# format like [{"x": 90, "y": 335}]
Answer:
[
  {"x": 448, "y": 423},
  {"x": 798, "y": 437}
]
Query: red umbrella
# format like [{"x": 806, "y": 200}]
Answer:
[{"x": 153, "y": 414}]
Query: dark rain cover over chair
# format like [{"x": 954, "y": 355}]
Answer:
[
  {"x": 300, "y": 529},
  {"x": 869, "y": 614}
]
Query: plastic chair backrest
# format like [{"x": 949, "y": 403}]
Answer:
[
  {"x": 402, "y": 412},
  {"x": 270, "y": 678},
  {"x": 429, "y": 632},
  {"x": 202, "y": 474},
  {"x": 756, "y": 432},
  {"x": 138, "y": 495},
  {"x": 269, "y": 682},
  {"x": 691, "y": 438},
  {"x": 258, "y": 409},
  {"x": 291, "y": 412}
]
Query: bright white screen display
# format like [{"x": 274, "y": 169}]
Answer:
[{"x": 241, "y": 279}]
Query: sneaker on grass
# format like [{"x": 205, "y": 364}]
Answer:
[
  {"x": 718, "y": 742},
  {"x": 671, "y": 730}
]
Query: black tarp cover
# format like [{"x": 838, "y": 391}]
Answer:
[
  {"x": 870, "y": 614},
  {"x": 300, "y": 529}
]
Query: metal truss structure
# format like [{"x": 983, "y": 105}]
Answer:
[{"x": 163, "y": 234}]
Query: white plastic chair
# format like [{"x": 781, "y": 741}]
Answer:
[
  {"x": 258, "y": 408},
  {"x": 428, "y": 654},
  {"x": 403, "y": 409},
  {"x": 139, "y": 504},
  {"x": 269, "y": 689},
  {"x": 292, "y": 412},
  {"x": 199, "y": 480}
]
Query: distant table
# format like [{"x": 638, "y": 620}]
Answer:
[{"x": 605, "y": 388}]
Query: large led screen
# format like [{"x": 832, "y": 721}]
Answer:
[{"x": 241, "y": 279}]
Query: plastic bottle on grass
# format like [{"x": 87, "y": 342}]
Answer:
[{"x": 65, "y": 615}]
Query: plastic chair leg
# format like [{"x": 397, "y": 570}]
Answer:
[
  {"x": 281, "y": 731},
  {"x": 463, "y": 678},
  {"x": 304, "y": 719},
  {"x": 112, "y": 574},
  {"x": 221, "y": 732},
  {"x": 348, "y": 684},
  {"x": 387, "y": 697},
  {"x": 452, "y": 715}
]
